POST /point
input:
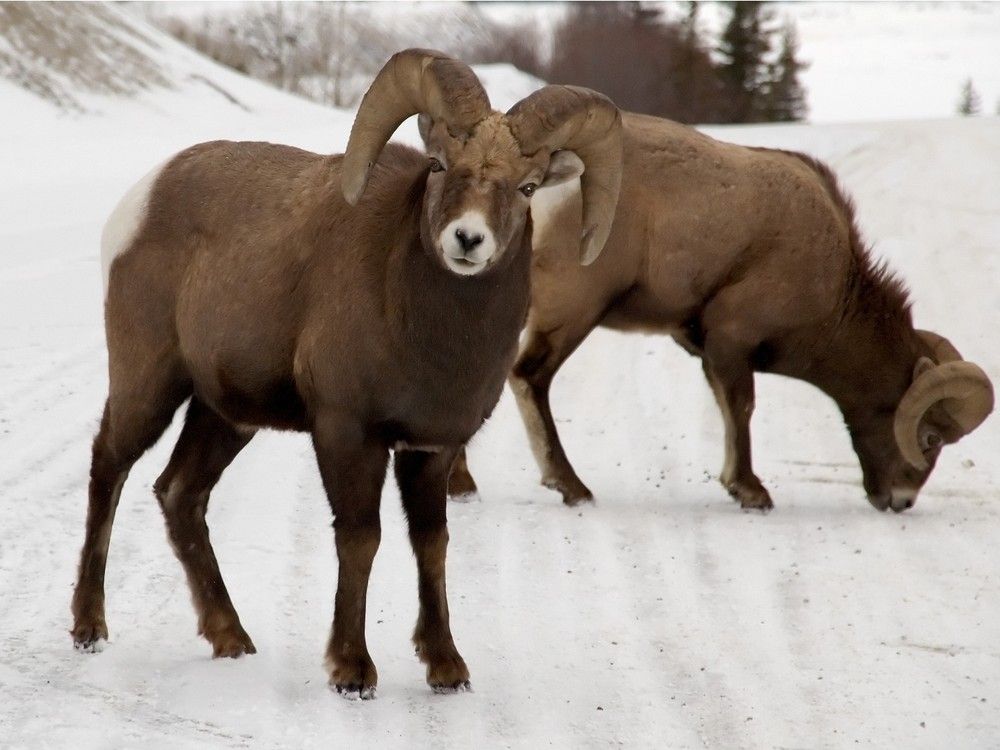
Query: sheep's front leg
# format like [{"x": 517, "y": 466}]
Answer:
[
  {"x": 423, "y": 486},
  {"x": 353, "y": 470}
]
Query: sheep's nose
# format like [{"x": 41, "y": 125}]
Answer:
[{"x": 467, "y": 241}]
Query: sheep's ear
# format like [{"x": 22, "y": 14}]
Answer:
[
  {"x": 563, "y": 167},
  {"x": 424, "y": 125}
]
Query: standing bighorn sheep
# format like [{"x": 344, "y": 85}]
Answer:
[
  {"x": 242, "y": 275},
  {"x": 750, "y": 259}
]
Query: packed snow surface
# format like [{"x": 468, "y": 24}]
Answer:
[{"x": 661, "y": 616}]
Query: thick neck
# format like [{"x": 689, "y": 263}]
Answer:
[
  {"x": 446, "y": 311},
  {"x": 868, "y": 362},
  {"x": 463, "y": 326}
]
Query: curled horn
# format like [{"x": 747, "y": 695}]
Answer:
[
  {"x": 962, "y": 389},
  {"x": 413, "y": 81},
  {"x": 942, "y": 349},
  {"x": 589, "y": 124}
]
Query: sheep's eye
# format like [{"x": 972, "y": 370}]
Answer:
[
  {"x": 528, "y": 189},
  {"x": 931, "y": 441},
  {"x": 436, "y": 165}
]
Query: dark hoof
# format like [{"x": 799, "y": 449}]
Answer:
[
  {"x": 231, "y": 644},
  {"x": 446, "y": 669},
  {"x": 448, "y": 675},
  {"x": 461, "y": 484},
  {"x": 90, "y": 638},
  {"x": 355, "y": 691},
  {"x": 750, "y": 498},
  {"x": 574, "y": 500},
  {"x": 465, "y": 497},
  {"x": 457, "y": 687},
  {"x": 574, "y": 491},
  {"x": 353, "y": 678}
]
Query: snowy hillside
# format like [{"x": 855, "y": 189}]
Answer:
[
  {"x": 662, "y": 616},
  {"x": 98, "y": 59}
]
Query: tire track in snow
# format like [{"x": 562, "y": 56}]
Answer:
[
  {"x": 644, "y": 423},
  {"x": 47, "y": 420},
  {"x": 45, "y": 438},
  {"x": 636, "y": 634},
  {"x": 138, "y": 712},
  {"x": 34, "y": 380}
]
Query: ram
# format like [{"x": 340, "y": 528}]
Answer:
[
  {"x": 751, "y": 259},
  {"x": 256, "y": 280}
]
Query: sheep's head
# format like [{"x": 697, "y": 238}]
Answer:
[
  {"x": 947, "y": 399},
  {"x": 484, "y": 166}
]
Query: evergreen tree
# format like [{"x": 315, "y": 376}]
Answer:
[
  {"x": 786, "y": 98},
  {"x": 744, "y": 46},
  {"x": 968, "y": 102},
  {"x": 698, "y": 96}
]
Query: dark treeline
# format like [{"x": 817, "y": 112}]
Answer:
[
  {"x": 633, "y": 52},
  {"x": 648, "y": 63}
]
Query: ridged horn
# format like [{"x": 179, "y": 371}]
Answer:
[
  {"x": 942, "y": 348},
  {"x": 590, "y": 125},
  {"x": 413, "y": 81},
  {"x": 961, "y": 387}
]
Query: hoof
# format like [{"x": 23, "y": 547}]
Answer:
[
  {"x": 355, "y": 691},
  {"x": 574, "y": 491},
  {"x": 458, "y": 687},
  {"x": 90, "y": 638},
  {"x": 461, "y": 483},
  {"x": 750, "y": 498},
  {"x": 446, "y": 674},
  {"x": 446, "y": 669},
  {"x": 465, "y": 497},
  {"x": 353, "y": 678},
  {"x": 231, "y": 644}
]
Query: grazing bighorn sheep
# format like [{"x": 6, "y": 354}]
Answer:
[
  {"x": 751, "y": 259},
  {"x": 246, "y": 279}
]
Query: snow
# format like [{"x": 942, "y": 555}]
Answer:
[
  {"x": 879, "y": 60},
  {"x": 661, "y": 616}
]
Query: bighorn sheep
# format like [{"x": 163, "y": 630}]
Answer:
[
  {"x": 248, "y": 280},
  {"x": 751, "y": 259}
]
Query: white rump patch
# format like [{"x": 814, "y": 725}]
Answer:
[{"x": 124, "y": 223}]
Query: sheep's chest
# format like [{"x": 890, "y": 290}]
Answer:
[{"x": 434, "y": 406}]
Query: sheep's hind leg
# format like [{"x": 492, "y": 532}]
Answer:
[
  {"x": 135, "y": 415},
  {"x": 423, "y": 480},
  {"x": 461, "y": 486},
  {"x": 207, "y": 445},
  {"x": 536, "y": 366},
  {"x": 734, "y": 392}
]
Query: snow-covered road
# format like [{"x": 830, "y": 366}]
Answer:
[{"x": 662, "y": 616}]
